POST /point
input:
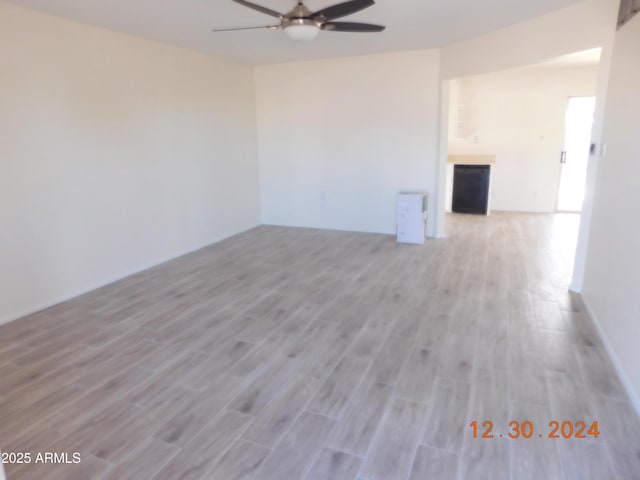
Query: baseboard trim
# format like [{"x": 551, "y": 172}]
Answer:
[
  {"x": 327, "y": 228},
  {"x": 633, "y": 397},
  {"x": 392, "y": 233},
  {"x": 66, "y": 298}
]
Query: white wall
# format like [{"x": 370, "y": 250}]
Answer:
[
  {"x": 116, "y": 153},
  {"x": 339, "y": 138},
  {"x": 519, "y": 116},
  {"x": 612, "y": 278}
]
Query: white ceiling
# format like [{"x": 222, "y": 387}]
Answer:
[
  {"x": 588, "y": 58},
  {"x": 411, "y": 24}
]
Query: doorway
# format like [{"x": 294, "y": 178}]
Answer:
[{"x": 575, "y": 156}]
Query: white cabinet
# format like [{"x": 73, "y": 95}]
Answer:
[{"x": 412, "y": 217}]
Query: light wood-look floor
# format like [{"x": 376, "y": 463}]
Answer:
[{"x": 286, "y": 354}]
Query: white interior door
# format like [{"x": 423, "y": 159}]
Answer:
[{"x": 575, "y": 158}]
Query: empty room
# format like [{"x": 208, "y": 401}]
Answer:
[{"x": 319, "y": 240}]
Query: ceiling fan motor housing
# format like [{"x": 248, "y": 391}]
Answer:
[
  {"x": 301, "y": 15},
  {"x": 299, "y": 25}
]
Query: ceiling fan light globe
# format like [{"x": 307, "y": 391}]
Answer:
[{"x": 302, "y": 30}]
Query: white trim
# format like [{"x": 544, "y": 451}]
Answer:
[
  {"x": 635, "y": 401},
  {"x": 31, "y": 311},
  {"x": 442, "y": 161}
]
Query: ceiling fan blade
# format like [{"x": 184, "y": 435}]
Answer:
[
  {"x": 260, "y": 8},
  {"x": 231, "y": 29},
  {"x": 343, "y": 9},
  {"x": 352, "y": 27}
]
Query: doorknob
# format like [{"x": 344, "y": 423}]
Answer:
[{"x": 563, "y": 157}]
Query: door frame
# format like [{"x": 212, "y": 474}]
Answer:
[{"x": 562, "y": 164}]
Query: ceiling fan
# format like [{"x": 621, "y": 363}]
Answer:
[{"x": 304, "y": 25}]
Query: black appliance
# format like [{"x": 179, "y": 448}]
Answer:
[{"x": 471, "y": 189}]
